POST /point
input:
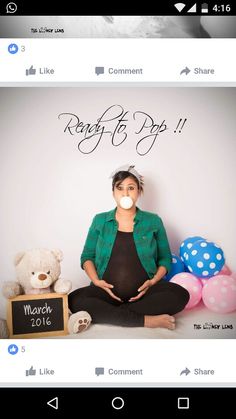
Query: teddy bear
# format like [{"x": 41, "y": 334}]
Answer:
[{"x": 38, "y": 272}]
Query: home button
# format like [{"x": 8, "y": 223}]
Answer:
[{"x": 117, "y": 403}]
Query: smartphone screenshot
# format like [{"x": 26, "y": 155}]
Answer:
[{"x": 117, "y": 214}]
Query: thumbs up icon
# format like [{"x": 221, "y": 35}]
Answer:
[
  {"x": 30, "y": 71},
  {"x": 31, "y": 371}
]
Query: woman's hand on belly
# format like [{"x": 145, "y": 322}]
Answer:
[
  {"x": 106, "y": 287},
  {"x": 142, "y": 290}
]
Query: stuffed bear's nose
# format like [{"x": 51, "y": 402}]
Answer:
[{"x": 42, "y": 277}]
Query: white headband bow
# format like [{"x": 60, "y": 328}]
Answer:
[{"x": 128, "y": 168}]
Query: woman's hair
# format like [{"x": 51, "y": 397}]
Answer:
[{"x": 120, "y": 176}]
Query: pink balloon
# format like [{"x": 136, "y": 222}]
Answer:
[
  {"x": 225, "y": 271},
  {"x": 219, "y": 294},
  {"x": 203, "y": 281},
  {"x": 233, "y": 275},
  {"x": 192, "y": 284}
]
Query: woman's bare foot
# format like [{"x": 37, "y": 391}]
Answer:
[{"x": 163, "y": 320}]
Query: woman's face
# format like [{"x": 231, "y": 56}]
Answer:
[{"x": 127, "y": 188}]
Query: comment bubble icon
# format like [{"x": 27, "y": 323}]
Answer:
[
  {"x": 99, "y": 371},
  {"x": 99, "y": 70}
]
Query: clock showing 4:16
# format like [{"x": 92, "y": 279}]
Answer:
[{"x": 221, "y": 8}]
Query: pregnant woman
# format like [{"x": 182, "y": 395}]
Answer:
[{"x": 126, "y": 255}]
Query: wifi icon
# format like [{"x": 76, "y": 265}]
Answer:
[{"x": 180, "y": 6}]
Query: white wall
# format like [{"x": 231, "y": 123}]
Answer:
[{"x": 50, "y": 191}]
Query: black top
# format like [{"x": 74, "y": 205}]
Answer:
[{"x": 124, "y": 269}]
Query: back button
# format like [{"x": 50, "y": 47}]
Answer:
[{"x": 53, "y": 403}]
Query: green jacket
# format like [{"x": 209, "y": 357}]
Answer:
[{"x": 149, "y": 236}]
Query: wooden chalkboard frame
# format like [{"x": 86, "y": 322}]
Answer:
[{"x": 30, "y": 297}]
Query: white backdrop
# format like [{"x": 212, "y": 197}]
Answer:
[{"x": 50, "y": 190}]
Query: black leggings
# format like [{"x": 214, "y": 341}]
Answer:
[{"x": 162, "y": 298}]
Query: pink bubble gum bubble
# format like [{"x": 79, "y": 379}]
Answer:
[{"x": 192, "y": 284}]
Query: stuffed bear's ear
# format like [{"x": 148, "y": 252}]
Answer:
[
  {"x": 58, "y": 254},
  {"x": 18, "y": 258}
]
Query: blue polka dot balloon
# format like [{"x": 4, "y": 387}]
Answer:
[
  {"x": 204, "y": 259},
  {"x": 177, "y": 266},
  {"x": 186, "y": 246}
]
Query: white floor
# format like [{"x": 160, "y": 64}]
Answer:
[{"x": 197, "y": 323}]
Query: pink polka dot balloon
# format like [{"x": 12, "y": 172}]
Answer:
[
  {"x": 219, "y": 294},
  {"x": 204, "y": 281},
  {"x": 225, "y": 271},
  {"x": 192, "y": 284}
]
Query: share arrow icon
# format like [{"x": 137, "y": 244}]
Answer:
[
  {"x": 186, "y": 371},
  {"x": 186, "y": 71}
]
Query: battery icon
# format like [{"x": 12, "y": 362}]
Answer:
[{"x": 204, "y": 8}]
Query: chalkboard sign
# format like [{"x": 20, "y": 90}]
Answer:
[{"x": 37, "y": 315}]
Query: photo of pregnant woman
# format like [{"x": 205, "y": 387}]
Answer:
[{"x": 126, "y": 255}]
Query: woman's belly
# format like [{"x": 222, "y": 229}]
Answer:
[
  {"x": 125, "y": 285},
  {"x": 124, "y": 270}
]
